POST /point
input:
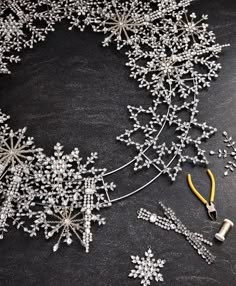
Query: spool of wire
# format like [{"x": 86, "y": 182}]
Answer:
[{"x": 225, "y": 228}]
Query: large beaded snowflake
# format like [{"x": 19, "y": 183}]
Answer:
[
  {"x": 58, "y": 194},
  {"x": 170, "y": 52},
  {"x": 68, "y": 195}
]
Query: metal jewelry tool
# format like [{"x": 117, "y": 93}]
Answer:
[{"x": 209, "y": 205}]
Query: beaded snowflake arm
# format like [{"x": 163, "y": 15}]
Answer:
[
  {"x": 26, "y": 23},
  {"x": 13, "y": 187},
  {"x": 229, "y": 153}
]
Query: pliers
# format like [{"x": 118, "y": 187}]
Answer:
[{"x": 209, "y": 205}]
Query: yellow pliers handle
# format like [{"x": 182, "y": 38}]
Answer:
[
  {"x": 213, "y": 186},
  {"x": 198, "y": 195}
]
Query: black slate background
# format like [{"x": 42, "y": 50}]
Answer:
[{"x": 70, "y": 89}]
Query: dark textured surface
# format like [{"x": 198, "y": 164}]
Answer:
[{"x": 70, "y": 89}]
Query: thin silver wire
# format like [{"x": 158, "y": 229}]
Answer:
[
  {"x": 130, "y": 162},
  {"x": 153, "y": 179}
]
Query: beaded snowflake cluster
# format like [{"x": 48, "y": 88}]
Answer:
[
  {"x": 170, "y": 52},
  {"x": 60, "y": 194},
  {"x": 170, "y": 222},
  {"x": 147, "y": 268}
]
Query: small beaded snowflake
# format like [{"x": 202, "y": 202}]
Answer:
[{"x": 147, "y": 268}]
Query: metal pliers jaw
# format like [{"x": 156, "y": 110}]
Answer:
[
  {"x": 211, "y": 211},
  {"x": 209, "y": 204}
]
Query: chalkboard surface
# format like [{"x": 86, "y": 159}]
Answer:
[{"x": 71, "y": 90}]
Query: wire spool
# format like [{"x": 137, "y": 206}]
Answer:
[{"x": 225, "y": 228}]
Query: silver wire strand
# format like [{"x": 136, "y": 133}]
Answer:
[{"x": 157, "y": 176}]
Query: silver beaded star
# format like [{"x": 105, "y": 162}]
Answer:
[
  {"x": 146, "y": 135},
  {"x": 147, "y": 268}
]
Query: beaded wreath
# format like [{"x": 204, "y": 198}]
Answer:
[{"x": 170, "y": 52}]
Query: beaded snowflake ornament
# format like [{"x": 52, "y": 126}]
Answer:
[
  {"x": 170, "y": 222},
  {"x": 170, "y": 52},
  {"x": 147, "y": 268}
]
